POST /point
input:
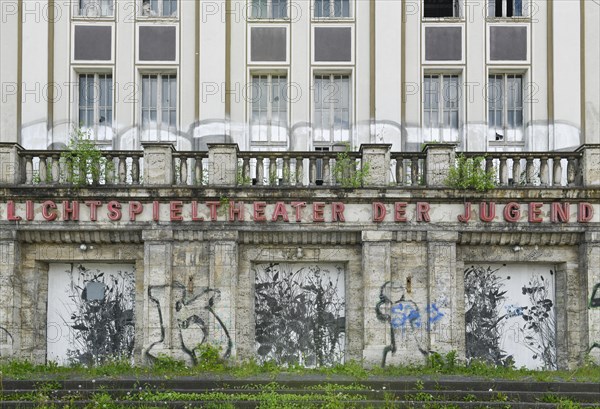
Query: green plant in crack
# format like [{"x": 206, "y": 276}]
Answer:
[
  {"x": 83, "y": 162},
  {"x": 346, "y": 172},
  {"x": 469, "y": 174}
]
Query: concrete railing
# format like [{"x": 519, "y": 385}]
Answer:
[{"x": 159, "y": 164}]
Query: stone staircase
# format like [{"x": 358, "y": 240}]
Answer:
[{"x": 298, "y": 391}]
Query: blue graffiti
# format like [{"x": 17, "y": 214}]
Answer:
[
  {"x": 408, "y": 313},
  {"x": 514, "y": 310}
]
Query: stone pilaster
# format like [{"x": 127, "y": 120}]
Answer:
[
  {"x": 223, "y": 164},
  {"x": 590, "y": 165},
  {"x": 158, "y": 285},
  {"x": 440, "y": 159},
  {"x": 223, "y": 279},
  {"x": 378, "y": 158},
  {"x": 11, "y": 169},
  {"x": 376, "y": 267},
  {"x": 158, "y": 163},
  {"x": 590, "y": 271},
  {"x": 10, "y": 259},
  {"x": 446, "y": 333}
]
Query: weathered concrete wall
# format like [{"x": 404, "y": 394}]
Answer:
[{"x": 385, "y": 292}]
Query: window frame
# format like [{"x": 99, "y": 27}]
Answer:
[
  {"x": 332, "y": 16},
  {"x": 506, "y": 74},
  {"x": 270, "y": 9},
  {"x": 159, "y": 15},
  {"x": 96, "y": 127},
  {"x": 159, "y": 108},
  {"x": 270, "y": 142},
  {"x": 457, "y": 4},
  {"x": 79, "y": 15},
  {"x": 525, "y": 8},
  {"x": 351, "y": 104},
  {"x": 441, "y": 109}
]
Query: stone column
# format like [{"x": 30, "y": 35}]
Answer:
[
  {"x": 223, "y": 274},
  {"x": 590, "y": 165},
  {"x": 440, "y": 159},
  {"x": 10, "y": 322},
  {"x": 446, "y": 333},
  {"x": 158, "y": 163},
  {"x": 590, "y": 271},
  {"x": 158, "y": 281},
  {"x": 376, "y": 267},
  {"x": 378, "y": 158},
  {"x": 223, "y": 164},
  {"x": 11, "y": 169}
]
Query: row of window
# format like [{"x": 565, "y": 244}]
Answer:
[
  {"x": 332, "y": 105},
  {"x": 278, "y": 9}
]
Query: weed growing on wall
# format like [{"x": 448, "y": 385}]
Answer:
[
  {"x": 82, "y": 161},
  {"x": 469, "y": 173},
  {"x": 346, "y": 172}
]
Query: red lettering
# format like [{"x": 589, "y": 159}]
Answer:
[
  {"x": 93, "y": 205},
  {"x": 466, "y": 217},
  {"x": 71, "y": 211},
  {"x": 155, "y": 211},
  {"x": 400, "y": 212},
  {"x": 535, "y": 211},
  {"x": 512, "y": 212},
  {"x": 560, "y": 212},
  {"x": 114, "y": 210},
  {"x": 298, "y": 206},
  {"x": 29, "y": 210},
  {"x": 176, "y": 207},
  {"x": 213, "y": 206},
  {"x": 487, "y": 212},
  {"x": 337, "y": 212},
  {"x": 195, "y": 217},
  {"x": 259, "y": 212},
  {"x": 49, "y": 210},
  {"x": 379, "y": 212},
  {"x": 11, "y": 212},
  {"x": 236, "y": 211},
  {"x": 423, "y": 209},
  {"x": 135, "y": 208},
  {"x": 318, "y": 212},
  {"x": 280, "y": 211},
  {"x": 586, "y": 213}
]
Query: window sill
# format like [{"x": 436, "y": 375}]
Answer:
[
  {"x": 333, "y": 20},
  {"x": 496, "y": 20},
  {"x": 269, "y": 20},
  {"x": 165, "y": 19},
  {"x": 95, "y": 18},
  {"x": 443, "y": 20}
]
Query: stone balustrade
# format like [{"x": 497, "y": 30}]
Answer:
[{"x": 373, "y": 166}]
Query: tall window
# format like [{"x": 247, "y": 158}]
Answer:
[
  {"x": 159, "y": 101},
  {"x": 96, "y": 8},
  {"x": 506, "y": 8},
  {"x": 159, "y": 8},
  {"x": 441, "y": 8},
  {"x": 269, "y": 121},
  {"x": 332, "y": 8},
  {"x": 269, "y": 9},
  {"x": 96, "y": 104},
  {"x": 332, "y": 108},
  {"x": 441, "y": 106},
  {"x": 505, "y": 107}
]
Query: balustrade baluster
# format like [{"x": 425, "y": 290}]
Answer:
[
  {"x": 571, "y": 170},
  {"x": 327, "y": 180},
  {"x": 299, "y": 171},
  {"x": 198, "y": 171},
  {"x": 55, "y": 168},
  {"x": 544, "y": 176},
  {"x": 530, "y": 171},
  {"x": 122, "y": 169},
  {"x": 43, "y": 170},
  {"x": 414, "y": 176},
  {"x": 260, "y": 171},
  {"x": 110, "y": 170},
  {"x": 400, "y": 171},
  {"x": 557, "y": 177},
  {"x": 272, "y": 170},
  {"x": 312, "y": 169},
  {"x": 245, "y": 170},
  {"x": 28, "y": 169},
  {"x": 184, "y": 170},
  {"x": 503, "y": 170},
  {"x": 135, "y": 169},
  {"x": 286, "y": 171},
  {"x": 516, "y": 171}
]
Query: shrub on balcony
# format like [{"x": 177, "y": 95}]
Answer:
[
  {"x": 470, "y": 174},
  {"x": 82, "y": 162}
]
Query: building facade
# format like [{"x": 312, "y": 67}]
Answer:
[{"x": 219, "y": 212}]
